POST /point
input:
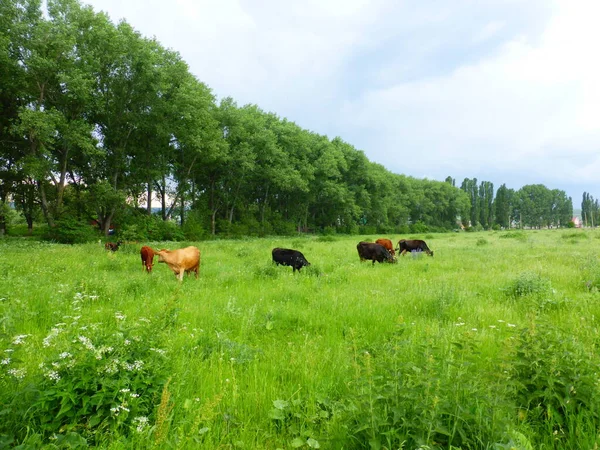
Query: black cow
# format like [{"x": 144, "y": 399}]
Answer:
[
  {"x": 289, "y": 257},
  {"x": 408, "y": 245},
  {"x": 373, "y": 252}
]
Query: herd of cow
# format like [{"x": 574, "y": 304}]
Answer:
[
  {"x": 381, "y": 251},
  {"x": 187, "y": 260}
]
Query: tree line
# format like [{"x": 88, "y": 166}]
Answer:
[{"x": 95, "y": 120}]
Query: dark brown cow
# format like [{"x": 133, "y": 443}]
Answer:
[
  {"x": 112, "y": 246},
  {"x": 147, "y": 255},
  {"x": 387, "y": 244},
  {"x": 373, "y": 252},
  {"x": 409, "y": 245}
]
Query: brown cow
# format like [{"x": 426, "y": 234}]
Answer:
[
  {"x": 373, "y": 252},
  {"x": 387, "y": 244},
  {"x": 147, "y": 255},
  {"x": 181, "y": 260},
  {"x": 112, "y": 246}
]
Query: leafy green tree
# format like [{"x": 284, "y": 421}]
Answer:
[
  {"x": 503, "y": 206},
  {"x": 470, "y": 187},
  {"x": 486, "y": 202}
]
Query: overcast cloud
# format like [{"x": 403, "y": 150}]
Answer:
[{"x": 502, "y": 90}]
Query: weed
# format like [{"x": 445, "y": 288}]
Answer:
[{"x": 528, "y": 283}]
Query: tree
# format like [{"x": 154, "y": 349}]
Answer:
[
  {"x": 470, "y": 187},
  {"x": 503, "y": 206}
]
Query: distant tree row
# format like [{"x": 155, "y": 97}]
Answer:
[
  {"x": 533, "y": 206},
  {"x": 96, "y": 120},
  {"x": 590, "y": 210}
]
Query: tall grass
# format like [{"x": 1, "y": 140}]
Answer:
[{"x": 491, "y": 344}]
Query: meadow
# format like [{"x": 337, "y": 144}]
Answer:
[{"x": 490, "y": 344}]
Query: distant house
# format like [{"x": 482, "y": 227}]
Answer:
[{"x": 577, "y": 221}]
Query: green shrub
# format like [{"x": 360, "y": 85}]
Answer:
[
  {"x": 481, "y": 242},
  {"x": 418, "y": 227},
  {"x": 528, "y": 283},
  {"x": 518, "y": 235},
  {"x": 555, "y": 381},
  {"x": 90, "y": 382},
  {"x": 71, "y": 231}
]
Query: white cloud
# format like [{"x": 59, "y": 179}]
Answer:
[
  {"x": 403, "y": 81},
  {"x": 503, "y": 111}
]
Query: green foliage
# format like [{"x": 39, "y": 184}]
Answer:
[
  {"x": 419, "y": 227},
  {"x": 481, "y": 242},
  {"x": 528, "y": 283},
  {"x": 406, "y": 399},
  {"x": 518, "y": 235},
  {"x": 90, "y": 381},
  {"x": 423, "y": 353},
  {"x": 71, "y": 231},
  {"x": 555, "y": 388},
  {"x": 575, "y": 235}
]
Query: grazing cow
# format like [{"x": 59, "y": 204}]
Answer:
[
  {"x": 373, "y": 252},
  {"x": 147, "y": 255},
  {"x": 112, "y": 246},
  {"x": 288, "y": 257},
  {"x": 408, "y": 245},
  {"x": 387, "y": 244},
  {"x": 182, "y": 260}
]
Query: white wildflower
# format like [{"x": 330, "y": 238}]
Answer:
[
  {"x": 87, "y": 343},
  {"x": 64, "y": 355},
  {"x": 127, "y": 342},
  {"x": 511, "y": 325},
  {"x": 17, "y": 373},
  {"x": 160, "y": 351},
  {"x": 5, "y": 361},
  {"x": 473, "y": 329},
  {"x": 17, "y": 340},
  {"x": 500, "y": 320},
  {"x": 53, "y": 333},
  {"x": 134, "y": 395},
  {"x": 125, "y": 390},
  {"x": 141, "y": 422},
  {"x": 53, "y": 375},
  {"x": 459, "y": 324},
  {"x": 492, "y": 326},
  {"x": 112, "y": 367},
  {"x": 120, "y": 316}
]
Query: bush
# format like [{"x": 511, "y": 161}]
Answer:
[
  {"x": 481, "y": 241},
  {"x": 528, "y": 284},
  {"x": 89, "y": 383},
  {"x": 518, "y": 235},
  {"x": 418, "y": 227},
  {"x": 71, "y": 231},
  {"x": 555, "y": 380}
]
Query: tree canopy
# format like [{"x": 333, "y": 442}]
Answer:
[{"x": 96, "y": 120}]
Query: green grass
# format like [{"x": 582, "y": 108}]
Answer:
[{"x": 490, "y": 344}]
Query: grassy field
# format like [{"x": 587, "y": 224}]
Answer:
[{"x": 490, "y": 344}]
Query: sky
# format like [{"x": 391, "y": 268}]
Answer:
[{"x": 506, "y": 91}]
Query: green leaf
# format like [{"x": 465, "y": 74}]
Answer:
[
  {"x": 280, "y": 404},
  {"x": 313, "y": 443},
  {"x": 276, "y": 414},
  {"x": 297, "y": 442}
]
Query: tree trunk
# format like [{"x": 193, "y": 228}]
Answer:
[
  {"x": 149, "y": 201},
  {"x": 264, "y": 206},
  {"x": 44, "y": 204}
]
